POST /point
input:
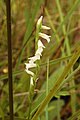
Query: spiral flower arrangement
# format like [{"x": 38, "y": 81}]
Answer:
[{"x": 40, "y": 47}]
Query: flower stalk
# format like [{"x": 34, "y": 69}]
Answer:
[{"x": 33, "y": 61}]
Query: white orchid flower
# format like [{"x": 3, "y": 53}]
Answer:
[
  {"x": 39, "y": 21},
  {"x": 30, "y": 65},
  {"x": 47, "y": 37},
  {"x": 34, "y": 58},
  {"x": 29, "y": 72},
  {"x": 40, "y": 44},
  {"x": 38, "y": 53},
  {"x": 31, "y": 81},
  {"x": 45, "y": 27}
]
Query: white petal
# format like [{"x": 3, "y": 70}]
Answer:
[
  {"x": 31, "y": 81},
  {"x": 29, "y": 65},
  {"x": 40, "y": 44},
  {"x": 39, "y": 51},
  {"x": 37, "y": 56},
  {"x": 29, "y": 72},
  {"x": 45, "y": 27},
  {"x": 47, "y": 37},
  {"x": 32, "y": 59},
  {"x": 39, "y": 20}
]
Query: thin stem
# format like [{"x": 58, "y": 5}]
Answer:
[
  {"x": 8, "y": 9},
  {"x": 31, "y": 94},
  {"x": 30, "y": 104},
  {"x": 47, "y": 88}
]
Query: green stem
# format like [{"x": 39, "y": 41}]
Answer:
[
  {"x": 29, "y": 111},
  {"x": 47, "y": 88},
  {"x": 31, "y": 94}
]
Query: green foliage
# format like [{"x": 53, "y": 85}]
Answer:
[{"x": 63, "y": 53}]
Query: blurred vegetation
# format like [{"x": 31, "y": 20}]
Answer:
[{"x": 63, "y": 16}]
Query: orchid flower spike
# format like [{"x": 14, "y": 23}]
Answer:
[{"x": 38, "y": 53}]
